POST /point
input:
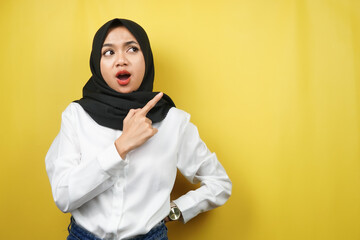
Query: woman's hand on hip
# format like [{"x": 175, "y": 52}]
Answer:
[{"x": 137, "y": 128}]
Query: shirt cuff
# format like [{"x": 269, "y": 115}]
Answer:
[
  {"x": 110, "y": 161},
  {"x": 184, "y": 204}
]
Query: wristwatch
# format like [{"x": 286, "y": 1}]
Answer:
[{"x": 175, "y": 212}]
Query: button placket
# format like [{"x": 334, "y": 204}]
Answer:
[{"x": 118, "y": 198}]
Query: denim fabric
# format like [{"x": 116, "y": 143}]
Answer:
[
  {"x": 159, "y": 232},
  {"x": 76, "y": 232}
]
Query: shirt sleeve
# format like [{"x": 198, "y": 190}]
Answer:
[
  {"x": 75, "y": 182},
  {"x": 198, "y": 164}
]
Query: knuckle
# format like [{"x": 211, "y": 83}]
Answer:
[{"x": 140, "y": 119}]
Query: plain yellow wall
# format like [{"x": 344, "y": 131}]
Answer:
[{"x": 273, "y": 86}]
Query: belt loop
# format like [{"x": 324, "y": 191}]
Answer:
[{"x": 72, "y": 220}]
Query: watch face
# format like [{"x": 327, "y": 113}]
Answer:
[{"x": 174, "y": 214}]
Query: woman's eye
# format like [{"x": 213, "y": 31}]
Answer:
[
  {"x": 133, "y": 49},
  {"x": 108, "y": 52}
]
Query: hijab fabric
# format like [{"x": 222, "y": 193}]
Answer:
[{"x": 108, "y": 107}]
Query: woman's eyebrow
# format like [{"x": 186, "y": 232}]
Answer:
[
  {"x": 108, "y": 45},
  {"x": 126, "y": 44},
  {"x": 131, "y": 42}
]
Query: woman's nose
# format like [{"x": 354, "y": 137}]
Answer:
[{"x": 121, "y": 60}]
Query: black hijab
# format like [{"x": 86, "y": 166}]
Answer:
[{"x": 108, "y": 107}]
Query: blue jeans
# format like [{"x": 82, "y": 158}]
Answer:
[{"x": 76, "y": 232}]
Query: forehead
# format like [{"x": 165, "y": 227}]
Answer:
[{"x": 119, "y": 34}]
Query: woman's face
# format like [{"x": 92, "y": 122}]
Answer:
[{"x": 122, "y": 62}]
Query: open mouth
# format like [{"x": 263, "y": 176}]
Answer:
[{"x": 123, "y": 77}]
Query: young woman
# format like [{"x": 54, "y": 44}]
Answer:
[{"x": 114, "y": 162}]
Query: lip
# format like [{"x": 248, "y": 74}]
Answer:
[{"x": 123, "y": 81}]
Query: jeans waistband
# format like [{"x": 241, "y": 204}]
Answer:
[
  {"x": 159, "y": 231},
  {"x": 79, "y": 232}
]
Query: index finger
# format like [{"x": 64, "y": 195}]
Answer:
[{"x": 151, "y": 103}]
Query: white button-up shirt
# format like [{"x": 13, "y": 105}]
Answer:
[{"x": 117, "y": 198}]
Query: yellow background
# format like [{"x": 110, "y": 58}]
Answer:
[{"x": 273, "y": 86}]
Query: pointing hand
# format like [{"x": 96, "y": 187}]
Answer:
[{"x": 137, "y": 128}]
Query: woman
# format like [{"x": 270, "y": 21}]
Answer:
[{"x": 114, "y": 162}]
